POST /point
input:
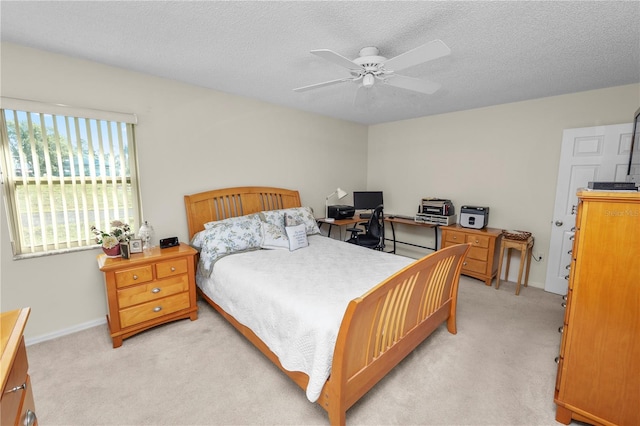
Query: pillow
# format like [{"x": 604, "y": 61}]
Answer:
[
  {"x": 209, "y": 225},
  {"x": 273, "y": 237},
  {"x": 298, "y": 214},
  {"x": 228, "y": 236},
  {"x": 297, "y": 237}
]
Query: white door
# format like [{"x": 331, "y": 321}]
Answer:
[{"x": 590, "y": 154}]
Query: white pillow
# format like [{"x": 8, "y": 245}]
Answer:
[{"x": 297, "y": 237}]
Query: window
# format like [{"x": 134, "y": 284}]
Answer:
[{"x": 64, "y": 170}]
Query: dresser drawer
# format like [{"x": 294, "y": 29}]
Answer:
[
  {"x": 472, "y": 265},
  {"x": 152, "y": 291},
  {"x": 11, "y": 401},
  {"x": 478, "y": 241},
  {"x": 454, "y": 237},
  {"x": 132, "y": 276},
  {"x": 154, "y": 309},
  {"x": 171, "y": 267},
  {"x": 476, "y": 253}
]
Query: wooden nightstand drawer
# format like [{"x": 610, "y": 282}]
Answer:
[
  {"x": 153, "y": 309},
  {"x": 171, "y": 267},
  {"x": 134, "y": 276},
  {"x": 152, "y": 291}
]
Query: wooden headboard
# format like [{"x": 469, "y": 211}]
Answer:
[{"x": 231, "y": 202}]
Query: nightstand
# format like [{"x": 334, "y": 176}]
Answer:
[{"x": 149, "y": 289}]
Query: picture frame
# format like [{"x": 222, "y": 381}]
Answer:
[
  {"x": 124, "y": 250},
  {"x": 135, "y": 245}
]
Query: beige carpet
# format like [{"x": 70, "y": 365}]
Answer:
[{"x": 498, "y": 370}]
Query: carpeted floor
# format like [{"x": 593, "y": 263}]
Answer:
[{"x": 498, "y": 370}]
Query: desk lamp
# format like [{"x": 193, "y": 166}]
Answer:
[{"x": 340, "y": 193}]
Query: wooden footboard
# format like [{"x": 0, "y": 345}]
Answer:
[{"x": 383, "y": 326}]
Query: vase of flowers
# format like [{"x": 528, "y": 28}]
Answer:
[{"x": 110, "y": 241}]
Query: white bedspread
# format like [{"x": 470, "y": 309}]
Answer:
[{"x": 294, "y": 301}]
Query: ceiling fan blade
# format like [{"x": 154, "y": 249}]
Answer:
[
  {"x": 337, "y": 59},
  {"x": 317, "y": 85},
  {"x": 433, "y": 50},
  {"x": 410, "y": 83}
]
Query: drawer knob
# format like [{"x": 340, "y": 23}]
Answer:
[
  {"x": 157, "y": 309},
  {"x": 17, "y": 388},
  {"x": 561, "y": 329},
  {"x": 173, "y": 269},
  {"x": 557, "y": 359},
  {"x": 156, "y": 290},
  {"x": 477, "y": 242},
  {"x": 455, "y": 237},
  {"x": 29, "y": 418},
  {"x": 566, "y": 277},
  {"x": 563, "y": 304},
  {"x": 135, "y": 277}
]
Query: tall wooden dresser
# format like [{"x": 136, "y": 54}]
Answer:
[
  {"x": 598, "y": 378},
  {"x": 16, "y": 401}
]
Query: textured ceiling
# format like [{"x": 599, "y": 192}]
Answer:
[{"x": 501, "y": 51}]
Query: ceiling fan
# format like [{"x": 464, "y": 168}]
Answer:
[{"x": 370, "y": 68}]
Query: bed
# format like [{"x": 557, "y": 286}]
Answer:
[{"x": 387, "y": 312}]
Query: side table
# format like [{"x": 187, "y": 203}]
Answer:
[
  {"x": 526, "y": 248},
  {"x": 149, "y": 289}
]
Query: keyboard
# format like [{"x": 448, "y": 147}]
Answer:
[{"x": 365, "y": 215}]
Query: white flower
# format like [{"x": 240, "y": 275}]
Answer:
[{"x": 109, "y": 241}]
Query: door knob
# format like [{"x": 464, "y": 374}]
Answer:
[{"x": 559, "y": 223}]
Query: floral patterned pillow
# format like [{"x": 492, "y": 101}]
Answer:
[
  {"x": 226, "y": 237},
  {"x": 296, "y": 214},
  {"x": 273, "y": 238}
]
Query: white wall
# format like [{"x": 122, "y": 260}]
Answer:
[
  {"x": 505, "y": 157},
  {"x": 190, "y": 139},
  {"x": 193, "y": 139}
]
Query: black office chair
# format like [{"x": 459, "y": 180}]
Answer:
[{"x": 373, "y": 237}]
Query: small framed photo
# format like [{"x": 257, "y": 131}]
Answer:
[
  {"x": 124, "y": 250},
  {"x": 135, "y": 246}
]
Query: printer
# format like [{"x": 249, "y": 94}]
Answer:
[
  {"x": 474, "y": 217},
  {"x": 340, "y": 212}
]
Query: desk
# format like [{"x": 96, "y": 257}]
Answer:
[
  {"x": 389, "y": 219},
  {"x": 411, "y": 222},
  {"x": 340, "y": 222}
]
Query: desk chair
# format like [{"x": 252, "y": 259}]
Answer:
[{"x": 373, "y": 237}]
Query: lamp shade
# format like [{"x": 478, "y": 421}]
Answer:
[{"x": 341, "y": 193}]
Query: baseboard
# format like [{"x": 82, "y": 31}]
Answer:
[{"x": 65, "y": 331}]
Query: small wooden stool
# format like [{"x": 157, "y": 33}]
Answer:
[{"x": 526, "y": 250}]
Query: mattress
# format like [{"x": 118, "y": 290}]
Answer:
[{"x": 294, "y": 301}]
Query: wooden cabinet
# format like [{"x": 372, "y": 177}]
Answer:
[
  {"x": 16, "y": 406},
  {"x": 482, "y": 259},
  {"x": 149, "y": 289},
  {"x": 598, "y": 378}
]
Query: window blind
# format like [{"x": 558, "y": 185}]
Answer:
[{"x": 64, "y": 173}]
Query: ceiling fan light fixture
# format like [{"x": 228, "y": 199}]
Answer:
[{"x": 368, "y": 80}]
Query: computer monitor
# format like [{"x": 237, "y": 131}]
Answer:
[{"x": 367, "y": 200}]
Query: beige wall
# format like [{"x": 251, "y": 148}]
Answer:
[
  {"x": 190, "y": 139},
  {"x": 504, "y": 157}
]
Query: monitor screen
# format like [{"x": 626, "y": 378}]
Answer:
[{"x": 366, "y": 200}]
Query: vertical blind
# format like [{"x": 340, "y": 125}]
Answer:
[{"x": 63, "y": 173}]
